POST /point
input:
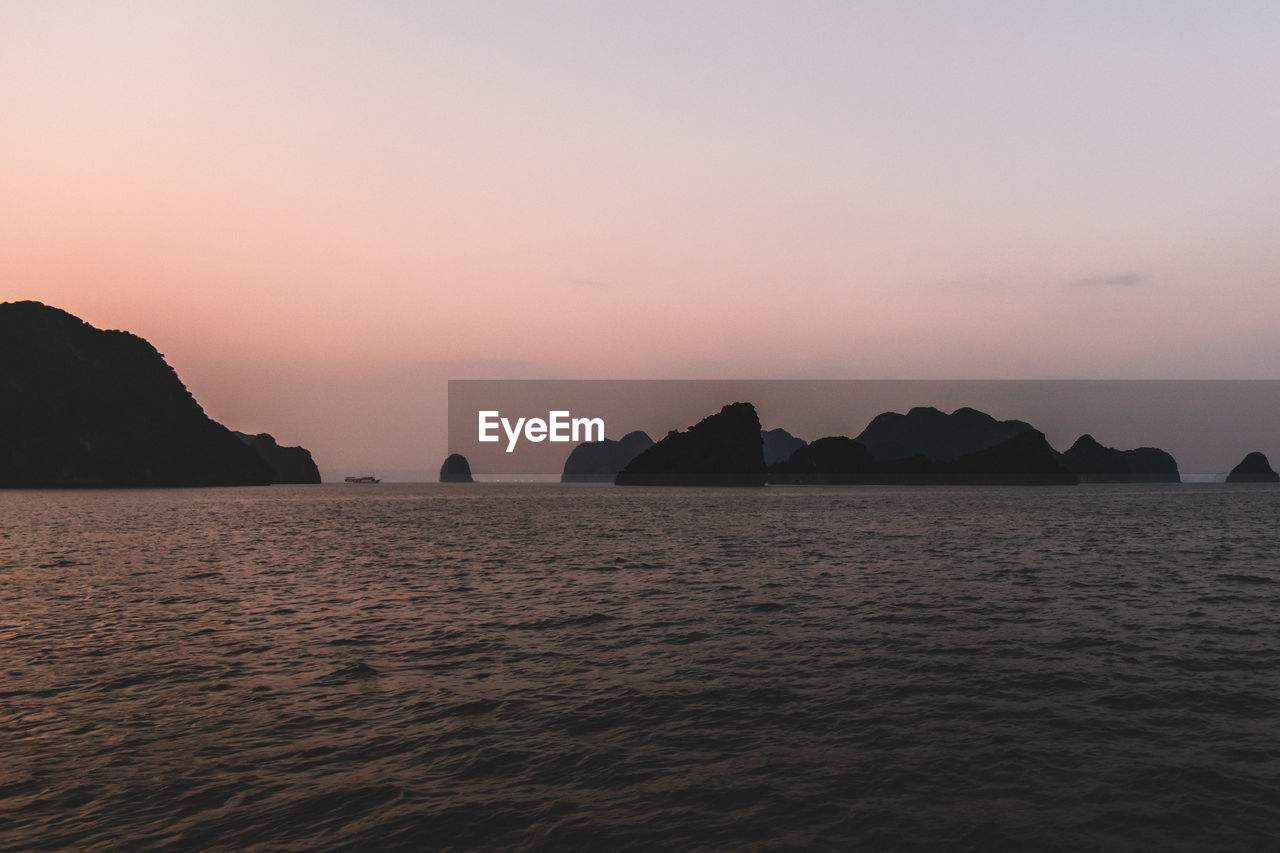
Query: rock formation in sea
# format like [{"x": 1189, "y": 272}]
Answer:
[
  {"x": 724, "y": 449},
  {"x": 1090, "y": 458},
  {"x": 82, "y": 407},
  {"x": 600, "y": 461},
  {"x": 287, "y": 464},
  {"x": 1096, "y": 463},
  {"x": 1152, "y": 465},
  {"x": 928, "y": 432},
  {"x": 835, "y": 459},
  {"x": 1254, "y": 468},
  {"x": 456, "y": 469},
  {"x": 779, "y": 445},
  {"x": 1024, "y": 459}
]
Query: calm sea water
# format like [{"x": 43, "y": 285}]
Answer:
[{"x": 584, "y": 667}]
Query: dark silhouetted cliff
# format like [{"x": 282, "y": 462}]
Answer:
[
  {"x": 835, "y": 459},
  {"x": 82, "y": 407},
  {"x": 1026, "y": 459},
  {"x": 1091, "y": 459},
  {"x": 779, "y": 445},
  {"x": 600, "y": 461},
  {"x": 1152, "y": 465},
  {"x": 288, "y": 464},
  {"x": 925, "y": 431},
  {"x": 1254, "y": 468},
  {"x": 724, "y": 449},
  {"x": 456, "y": 469},
  {"x": 1096, "y": 463}
]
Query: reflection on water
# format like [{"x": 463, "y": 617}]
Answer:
[{"x": 590, "y": 667}]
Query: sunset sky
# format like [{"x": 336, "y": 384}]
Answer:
[{"x": 322, "y": 211}]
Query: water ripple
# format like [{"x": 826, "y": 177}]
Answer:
[{"x": 545, "y": 667}]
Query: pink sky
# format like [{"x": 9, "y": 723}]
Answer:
[{"x": 322, "y": 211}]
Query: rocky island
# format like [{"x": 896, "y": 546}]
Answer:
[
  {"x": 724, "y": 449},
  {"x": 600, "y": 461},
  {"x": 85, "y": 408},
  {"x": 836, "y": 459},
  {"x": 927, "y": 446},
  {"x": 929, "y": 432},
  {"x": 779, "y": 445},
  {"x": 1254, "y": 468},
  {"x": 1024, "y": 459},
  {"x": 924, "y": 446},
  {"x": 456, "y": 469},
  {"x": 1096, "y": 463}
]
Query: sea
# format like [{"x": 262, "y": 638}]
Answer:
[{"x": 584, "y": 667}]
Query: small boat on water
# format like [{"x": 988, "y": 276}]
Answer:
[{"x": 365, "y": 479}]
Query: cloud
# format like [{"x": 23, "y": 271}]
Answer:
[{"x": 1127, "y": 279}]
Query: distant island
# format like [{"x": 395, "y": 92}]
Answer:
[
  {"x": 1022, "y": 460},
  {"x": 1096, "y": 463},
  {"x": 724, "y": 449},
  {"x": 85, "y": 408},
  {"x": 600, "y": 461},
  {"x": 1254, "y": 468},
  {"x": 779, "y": 445},
  {"x": 456, "y": 469},
  {"x": 923, "y": 446},
  {"x": 929, "y": 433}
]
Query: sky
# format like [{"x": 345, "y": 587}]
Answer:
[{"x": 320, "y": 212}]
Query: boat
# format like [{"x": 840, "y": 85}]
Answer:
[{"x": 365, "y": 479}]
